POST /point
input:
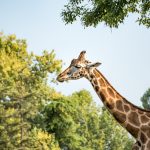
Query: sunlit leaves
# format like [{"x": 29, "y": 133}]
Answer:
[
  {"x": 41, "y": 140},
  {"x": 81, "y": 125},
  {"x": 9, "y": 131},
  {"x": 23, "y": 89}
]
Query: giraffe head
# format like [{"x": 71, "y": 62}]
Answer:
[{"x": 78, "y": 68}]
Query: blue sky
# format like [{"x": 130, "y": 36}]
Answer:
[{"x": 124, "y": 52}]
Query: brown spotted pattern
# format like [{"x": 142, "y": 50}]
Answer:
[{"x": 134, "y": 119}]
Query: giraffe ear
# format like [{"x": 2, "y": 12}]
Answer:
[
  {"x": 82, "y": 55},
  {"x": 93, "y": 65}
]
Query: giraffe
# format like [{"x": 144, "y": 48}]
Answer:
[{"x": 134, "y": 119}]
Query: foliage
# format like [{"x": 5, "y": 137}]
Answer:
[
  {"x": 9, "y": 128},
  {"x": 35, "y": 116},
  {"x": 23, "y": 89},
  {"x": 79, "y": 124},
  {"x": 146, "y": 99},
  {"x": 41, "y": 140},
  {"x": 111, "y": 12}
]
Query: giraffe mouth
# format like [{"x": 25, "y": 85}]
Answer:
[{"x": 59, "y": 79}]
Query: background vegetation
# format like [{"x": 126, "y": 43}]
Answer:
[
  {"x": 145, "y": 99},
  {"x": 33, "y": 116},
  {"x": 110, "y": 12}
]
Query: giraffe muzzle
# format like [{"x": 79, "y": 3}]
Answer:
[{"x": 60, "y": 79}]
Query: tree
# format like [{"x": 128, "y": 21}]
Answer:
[
  {"x": 41, "y": 140},
  {"x": 35, "y": 116},
  {"x": 146, "y": 99},
  {"x": 111, "y": 12},
  {"x": 79, "y": 124},
  {"x": 23, "y": 89}
]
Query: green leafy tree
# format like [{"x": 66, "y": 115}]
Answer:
[
  {"x": 34, "y": 116},
  {"x": 41, "y": 140},
  {"x": 146, "y": 99},
  {"x": 78, "y": 124},
  {"x": 9, "y": 128},
  {"x": 111, "y": 12},
  {"x": 23, "y": 89}
]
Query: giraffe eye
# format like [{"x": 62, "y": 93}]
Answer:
[
  {"x": 78, "y": 66},
  {"x": 69, "y": 73}
]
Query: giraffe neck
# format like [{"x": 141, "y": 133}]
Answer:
[
  {"x": 123, "y": 111},
  {"x": 105, "y": 91}
]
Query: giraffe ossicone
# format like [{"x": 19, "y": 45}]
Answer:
[{"x": 134, "y": 119}]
